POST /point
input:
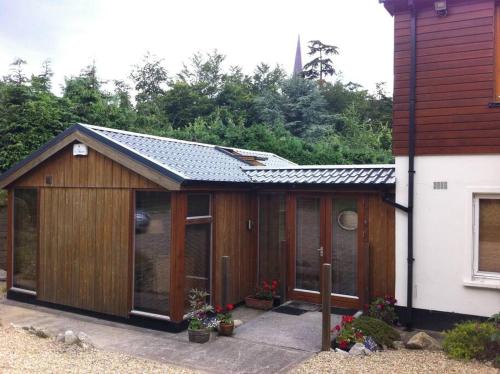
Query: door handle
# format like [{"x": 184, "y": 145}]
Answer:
[{"x": 320, "y": 250}]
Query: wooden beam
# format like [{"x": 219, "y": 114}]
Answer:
[
  {"x": 177, "y": 271},
  {"x": 326, "y": 289}
]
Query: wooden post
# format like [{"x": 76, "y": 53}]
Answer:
[
  {"x": 326, "y": 289},
  {"x": 283, "y": 270},
  {"x": 225, "y": 280}
]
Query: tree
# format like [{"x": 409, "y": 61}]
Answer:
[
  {"x": 43, "y": 81},
  {"x": 150, "y": 78},
  {"x": 320, "y": 66},
  {"x": 17, "y": 75}
]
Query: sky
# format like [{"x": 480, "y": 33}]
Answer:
[{"x": 117, "y": 33}]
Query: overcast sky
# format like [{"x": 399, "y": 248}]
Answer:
[{"x": 117, "y": 33}]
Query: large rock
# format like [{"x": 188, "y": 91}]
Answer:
[
  {"x": 237, "y": 323},
  {"x": 422, "y": 340},
  {"x": 359, "y": 349},
  {"x": 70, "y": 337}
]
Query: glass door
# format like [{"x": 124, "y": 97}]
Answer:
[
  {"x": 327, "y": 228},
  {"x": 309, "y": 247}
]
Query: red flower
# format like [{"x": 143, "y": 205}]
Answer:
[
  {"x": 218, "y": 309},
  {"x": 229, "y": 307},
  {"x": 337, "y": 328},
  {"x": 343, "y": 344},
  {"x": 347, "y": 319},
  {"x": 266, "y": 287}
]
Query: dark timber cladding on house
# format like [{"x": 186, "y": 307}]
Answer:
[
  {"x": 125, "y": 224},
  {"x": 456, "y": 66}
]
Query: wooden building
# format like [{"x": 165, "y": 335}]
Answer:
[
  {"x": 125, "y": 224},
  {"x": 446, "y": 142}
]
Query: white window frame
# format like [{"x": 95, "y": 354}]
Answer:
[{"x": 475, "y": 277}]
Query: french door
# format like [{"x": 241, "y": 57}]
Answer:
[{"x": 327, "y": 228}]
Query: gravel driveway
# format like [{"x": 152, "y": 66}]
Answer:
[
  {"x": 21, "y": 352},
  {"x": 402, "y": 361}
]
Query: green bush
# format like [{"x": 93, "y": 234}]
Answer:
[
  {"x": 472, "y": 340},
  {"x": 381, "y": 332}
]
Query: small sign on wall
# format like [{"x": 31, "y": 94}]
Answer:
[{"x": 80, "y": 149}]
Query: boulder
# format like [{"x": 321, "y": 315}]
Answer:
[
  {"x": 341, "y": 352},
  {"x": 238, "y": 323},
  {"x": 84, "y": 340},
  {"x": 60, "y": 338},
  {"x": 422, "y": 340},
  {"x": 70, "y": 337},
  {"x": 359, "y": 349},
  {"x": 398, "y": 344}
]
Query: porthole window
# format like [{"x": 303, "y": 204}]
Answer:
[{"x": 348, "y": 220}]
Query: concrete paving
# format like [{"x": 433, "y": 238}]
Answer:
[
  {"x": 250, "y": 350},
  {"x": 301, "y": 332}
]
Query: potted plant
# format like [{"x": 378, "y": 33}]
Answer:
[
  {"x": 264, "y": 296},
  {"x": 225, "y": 318},
  {"x": 347, "y": 334},
  {"x": 201, "y": 317}
]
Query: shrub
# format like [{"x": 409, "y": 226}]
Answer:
[
  {"x": 348, "y": 335},
  {"x": 381, "y": 332},
  {"x": 472, "y": 340},
  {"x": 383, "y": 308}
]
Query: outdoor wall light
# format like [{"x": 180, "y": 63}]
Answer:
[{"x": 440, "y": 8}]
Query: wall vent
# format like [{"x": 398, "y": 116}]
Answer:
[{"x": 440, "y": 185}]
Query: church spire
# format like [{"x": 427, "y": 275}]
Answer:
[{"x": 297, "y": 67}]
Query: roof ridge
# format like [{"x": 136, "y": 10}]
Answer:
[
  {"x": 317, "y": 167},
  {"x": 92, "y": 127}
]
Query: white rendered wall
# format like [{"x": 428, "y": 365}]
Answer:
[{"x": 443, "y": 244}]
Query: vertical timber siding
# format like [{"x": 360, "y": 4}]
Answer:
[
  {"x": 84, "y": 242},
  {"x": 85, "y": 225},
  {"x": 3, "y": 237},
  {"x": 455, "y": 80},
  {"x": 232, "y": 238},
  {"x": 381, "y": 220}
]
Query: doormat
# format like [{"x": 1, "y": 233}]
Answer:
[
  {"x": 286, "y": 309},
  {"x": 308, "y": 307}
]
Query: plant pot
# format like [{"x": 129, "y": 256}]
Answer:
[
  {"x": 226, "y": 329},
  {"x": 262, "y": 304},
  {"x": 199, "y": 336}
]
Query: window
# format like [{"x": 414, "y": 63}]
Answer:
[
  {"x": 487, "y": 237},
  {"x": 25, "y": 242},
  {"x": 198, "y": 243},
  {"x": 271, "y": 235},
  {"x": 152, "y": 252},
  {"x": 198, "y": 205}
]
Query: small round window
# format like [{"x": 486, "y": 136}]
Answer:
[{"x": 348, "y": 220}]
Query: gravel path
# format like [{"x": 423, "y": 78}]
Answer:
[
  {"x": 21, "y": 352},
  {"x": 402, "y": 361}
]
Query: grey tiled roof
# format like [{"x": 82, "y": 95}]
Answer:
[
  {"x": 345, "y": 174},
  {"x": 190, "y": 160}
]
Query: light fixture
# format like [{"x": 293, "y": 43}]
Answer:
[{"x": 440, "y": 8}]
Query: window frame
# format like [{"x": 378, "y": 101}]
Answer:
[
  {"x": 133, "y": 311},
  {"x": 202, "y": 220},
  {"x": 12, "y": 241},
  {"x": 476, "y": 273}
]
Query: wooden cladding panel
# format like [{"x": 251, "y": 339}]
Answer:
[
  {"x": 94, "y": 170},
  {"x": 232, "y": 238},
  {"x": 381, "y": 226},
  {"x": 84, "y": 248},
  {"x": 455, "y": 80}
]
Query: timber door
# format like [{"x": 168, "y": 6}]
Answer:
[{"x": 327, "y": 228}]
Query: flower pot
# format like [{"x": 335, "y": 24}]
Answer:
[
  {"x": 199, "y": 336},
  {"x": 226, "y": 329},
  {"x": 262, "y": 304}
]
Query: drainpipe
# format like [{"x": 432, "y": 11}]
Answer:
[
  {"x": 411, "y": 160},
  {"x": 411, "y": 163}
]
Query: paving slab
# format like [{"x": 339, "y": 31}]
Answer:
[
  {"x": 301, "y": 332},
  {"x": 223, "y": 354}
]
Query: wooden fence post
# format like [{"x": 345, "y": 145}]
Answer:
[
  {"x": 283, "y": 270},
  {"x": 326, "y": 289},
  {"x": 225, "y": 280}
]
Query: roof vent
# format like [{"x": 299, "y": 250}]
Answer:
[{"x": 247, "y": 159}]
